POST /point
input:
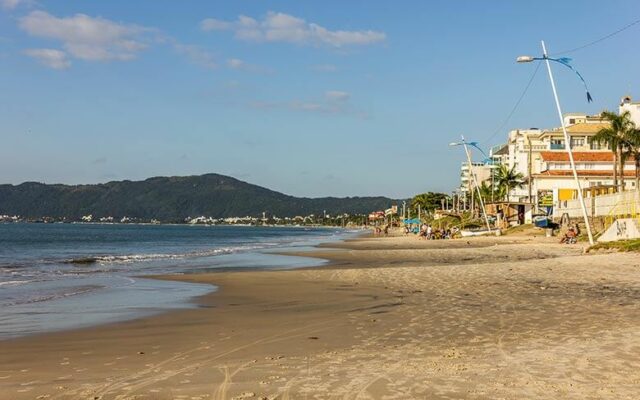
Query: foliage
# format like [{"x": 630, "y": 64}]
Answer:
[
  {"x": 613, "y": 136},
  {"x": 172, "y": 199},
  {"x": 507, "y": 179},
  {"x": 429, "y": 202},
  {"x": 620, "y": 245},
  {"x": 631, "y": 149},
  {"x": 490, "y": 193}
]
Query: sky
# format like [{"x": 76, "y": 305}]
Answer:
[{"x": 309, "y": 98}]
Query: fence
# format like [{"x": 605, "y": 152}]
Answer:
[{"x": 609, "y": 206}]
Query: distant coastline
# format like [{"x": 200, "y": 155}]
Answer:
[{"x": 201, "y": 199}]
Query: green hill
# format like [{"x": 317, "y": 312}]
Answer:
[{"x": 171, "y": 199}]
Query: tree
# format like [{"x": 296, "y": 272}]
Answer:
[
  {"x": 621, "y": 126},
  {"x": 507, "y": 180},
  {"x": 489, "y": 193},
  {"x": 429, "y": 201},
  {"x": 632, "y": 149}
]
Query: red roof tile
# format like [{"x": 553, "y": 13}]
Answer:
[
  {"x": 587, "y": 173},
  {"x": 594, "y": 156}
]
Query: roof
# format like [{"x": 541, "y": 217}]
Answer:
[
  {"x": 584, "y": 173},
  {"x": 587, "y": 127},
  {"x": 580, "y": 156},
  {"x": 594, "y": 156},
  {"x": 583, "y": 127}
]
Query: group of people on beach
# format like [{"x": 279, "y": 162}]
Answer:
[
  {"x": 379, "y": 231},
  {"x": 427, "y": 232}
]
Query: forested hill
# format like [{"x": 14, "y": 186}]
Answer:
[{"x": 171, "y": 199}]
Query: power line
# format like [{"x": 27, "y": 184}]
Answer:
[
  {"x": 515, "y": 107},
  {"x": 624, "y": 28}
]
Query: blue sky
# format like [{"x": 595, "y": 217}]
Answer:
[{"x": 309, "y": 98}]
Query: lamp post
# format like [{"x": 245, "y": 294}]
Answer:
[
  {"x": 464, "y": 144},
  {"x": 567, "y": 140}
]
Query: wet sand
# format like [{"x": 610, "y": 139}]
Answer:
[{"x": 392, "y": 318}]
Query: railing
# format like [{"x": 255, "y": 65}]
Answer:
[{"x": 610, "y": 206}]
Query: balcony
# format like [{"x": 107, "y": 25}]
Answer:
[{"x": 556, "y": 146}]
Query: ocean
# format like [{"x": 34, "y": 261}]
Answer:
[{"x": 63, "y": 276}]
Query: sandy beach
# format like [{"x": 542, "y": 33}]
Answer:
[{"x": 390, "y": 318}]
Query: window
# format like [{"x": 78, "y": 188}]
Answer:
[
  {"x": 572, "y": 121},
  {"x": 557, "y": 144},
  {"x": 596, "y": 146},
  {"x": 577, "y": 142}
]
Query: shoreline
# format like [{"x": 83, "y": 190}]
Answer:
[
  {"x": 388, "y": 316},
  {"x": 129, "y": 292},
  {"x": 193, "y": 302}
]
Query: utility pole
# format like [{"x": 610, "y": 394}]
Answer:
[
  {"x": 567, "y": 141},
  {"x": 475, "y": 183},
  {"x": 529, "y": 169},
  {"x": 472, "y": 176}
]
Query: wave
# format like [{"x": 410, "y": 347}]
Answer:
[
  {"x": 131, "y": 258},
  {"x": 54, "y": 296},
  {"x": 13, "y": 283}
]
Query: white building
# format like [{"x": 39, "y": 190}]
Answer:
[
  {"x": 634, "y": 109},
  {"x": 481, "y": 171}
]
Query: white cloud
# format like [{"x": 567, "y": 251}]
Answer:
[
  {"x": 337, "y": 95},
  {"x": 211, "y": 24},
  {"x": 52, "y": 58},
  {"x": 335, "y": 102},
  {"x": 11, "y": 4},
  {"x": 324, "y": 68},
  {"x": 87, "y": 38},
  {"x": 235, "y": 63},
  {"x": 280, "y": 27},
  {"x": 196, "y": 54}
]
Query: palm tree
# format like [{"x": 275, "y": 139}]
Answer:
[
  {"x": 613, "y": 136},
  {"x": 427, "y": 202},
  {"x": 507, "y": 180},
  {"x": 632, "y": 149},
  {"x": 489, "y": 193}
]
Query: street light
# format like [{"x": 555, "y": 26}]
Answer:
[
  {"x": 565, "y": 61},
  {"x": 464, "y": 144}
]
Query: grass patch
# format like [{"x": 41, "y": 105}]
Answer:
[{"x": 620, "y": 245}]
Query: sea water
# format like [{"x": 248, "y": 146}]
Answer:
[{"x": 63, "y": 276}]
